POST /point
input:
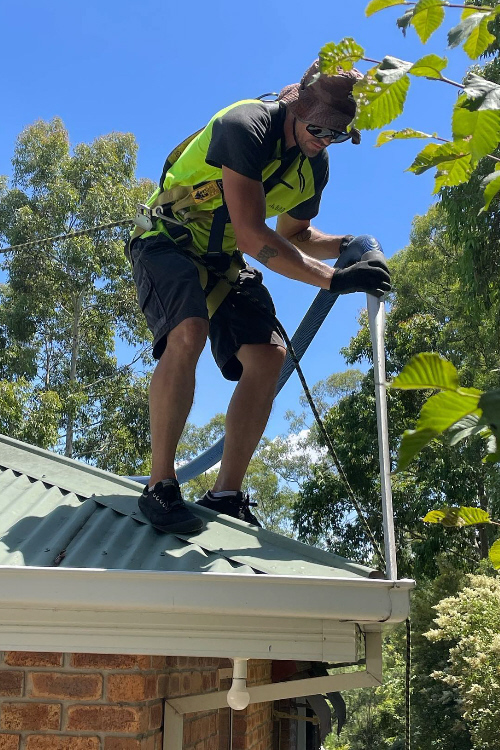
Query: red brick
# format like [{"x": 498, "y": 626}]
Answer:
[
  {"x": 33, "y": 659},
  {"x": 107, "y": 718},
  {"x": 11, "y": 683},
  {"x": 85, "y": 687},
  {"x": 156, "y": 716},
  {"x": 9, "y": 741},
  {"x": 128, "y": 743},
  {"x": 174, "y": 685},
  {"x": 130, "y": 688},
  {"x": 24, "y": 716},
  {"x": 158, "y": 662},
  {"x": 59, "y": 742},
  {"x": 110, "y": 661},
  {"x": 196, "y": 683}
]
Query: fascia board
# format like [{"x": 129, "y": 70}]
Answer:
[
  {"x": 114, "y": 611},
  {"x": 246, "y": 636},
  {"x": 347, "y": 599}
]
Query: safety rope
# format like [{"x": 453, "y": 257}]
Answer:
[
  {"x": 281, "y": 330},
  {"x": 408, "y": 686},
  {"x": 68, "y": 235}
]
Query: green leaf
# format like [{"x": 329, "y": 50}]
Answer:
[
  {"x": 490, "y": 406},
  {"x": 404, "y": 21},
  {"x": 454, "y": 517},
  {"x": 491, "y": 186},
  {"x": 493, "y": 450},
  {"x": 485, "y": 94},
  {"x": 428, "y": 15},
  {"x": 466, "y": 427},
  {"x": 397, "y": 135},
  {"x": 467, "y": 26},
  {"x": 443, "y": 409},
  {"x": 480, "y": 127},
  {"x": 494, "y": 554},
  {"x": 342, "y": 55},
  {"x": 455, "y": 172},
  {"x": 378, "y": 104},
  {"x": 376, "y": 5},
  {"x": 429, "y": 66},
  {"x": 427, "y": 370},
  {"x": 391, "y": 69},
  {"x": 480, "y": 38},
  {"x": 434, "y": 155},
  {"x": 412, "y": 443}
]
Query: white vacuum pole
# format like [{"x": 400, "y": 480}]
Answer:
[{"x": 376, "y": 316}]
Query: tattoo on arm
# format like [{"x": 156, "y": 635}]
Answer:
[
  {"x": 266, "y": 254},
  {"x": 304, "y": 236}
]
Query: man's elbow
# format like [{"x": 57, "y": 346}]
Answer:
[{"x": 251, "y": 239}]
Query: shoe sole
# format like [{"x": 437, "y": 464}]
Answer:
[{"x": 195, "y": 524}]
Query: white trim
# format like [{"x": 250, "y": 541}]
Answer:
[
  {"x": 173, "y": 729},
  {"x": 175, "y": 708},
  {"x": 198, "y": 614}
]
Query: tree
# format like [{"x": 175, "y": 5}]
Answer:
[
  {"x": 65, "y": 301},
  {"x": 422, "y": 316},
  {"x": 469, "y": 622}
]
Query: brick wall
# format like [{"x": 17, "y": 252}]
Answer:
[
  {"x": 52, "y": 701},
  {"x": 253, "y": 727}
]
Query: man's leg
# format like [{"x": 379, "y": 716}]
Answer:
[
  {"x": 171, "y": 393},
  {"x": 248, "y": 411}
]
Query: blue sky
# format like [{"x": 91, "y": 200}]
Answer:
[{"x": 161, "y": 71}]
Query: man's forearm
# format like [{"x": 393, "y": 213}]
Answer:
[
  {"x": 317, "y": 244},
  {"x": 280, "y": 255}
]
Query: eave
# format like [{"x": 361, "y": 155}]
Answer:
[{"x": 197, "y": 614}]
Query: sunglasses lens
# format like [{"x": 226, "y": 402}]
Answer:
[{"x": 335, "y": 135}]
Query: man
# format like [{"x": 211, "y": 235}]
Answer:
[{"x": 253, "y": 160}]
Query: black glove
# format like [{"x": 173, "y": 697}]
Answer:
[{"x": 370, "y": 276}]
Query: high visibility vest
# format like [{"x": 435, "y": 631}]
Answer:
[{"x": 193, "y": 189}]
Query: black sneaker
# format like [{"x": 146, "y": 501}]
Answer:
[
  {"x": 166, "y": 510},
  {"x": 236, "y": 506}
]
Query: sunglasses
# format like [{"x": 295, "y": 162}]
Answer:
[{"x": 336, "y": 136}]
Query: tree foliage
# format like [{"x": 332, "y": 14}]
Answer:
[{"x": 65, "y": 302}]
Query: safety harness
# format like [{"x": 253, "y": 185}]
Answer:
[{"x": 177, "y": 207}]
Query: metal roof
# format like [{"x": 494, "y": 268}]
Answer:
[{"x": 57, "y": 512}]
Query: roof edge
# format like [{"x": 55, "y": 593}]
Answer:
[{"x": 61, "y": 471}]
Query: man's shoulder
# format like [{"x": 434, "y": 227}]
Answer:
[{"x": 251, "y": 112}]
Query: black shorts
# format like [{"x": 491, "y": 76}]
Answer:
[{"x": 169, "y": 291}]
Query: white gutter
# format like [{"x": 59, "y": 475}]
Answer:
[{"x": 199, "y": 614}]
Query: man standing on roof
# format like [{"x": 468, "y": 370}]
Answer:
[{"x": 252, "y": 161}]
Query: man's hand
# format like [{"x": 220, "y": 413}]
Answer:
[{"x": 371, "y": 276}]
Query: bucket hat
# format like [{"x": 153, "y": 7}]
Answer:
[{"x": 324, "y": 100}]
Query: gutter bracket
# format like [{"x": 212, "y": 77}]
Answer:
[{"x": 177, "y": 707}]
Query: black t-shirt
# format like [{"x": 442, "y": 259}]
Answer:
[{"x": 250, "y": 136}]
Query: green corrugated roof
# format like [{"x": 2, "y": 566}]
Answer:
[{"x": 57, "y": 511}]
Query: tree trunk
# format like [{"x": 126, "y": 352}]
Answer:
[{"x": 75, "y": 347}]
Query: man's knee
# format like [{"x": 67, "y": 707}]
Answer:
[
  {"x": 189, "y": 336},
  {"x": 262, "y": 358}
]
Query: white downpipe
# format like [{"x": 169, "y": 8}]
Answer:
[
  {"x": 376, "y": 317},
  {"x": 238, "y": 696}
]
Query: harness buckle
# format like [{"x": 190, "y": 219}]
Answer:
[
  {"x": 177, "y": 230},
  {"x": 144, "y": 217}
]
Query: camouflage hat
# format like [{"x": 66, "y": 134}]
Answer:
[{"x": 324, "y": 100}]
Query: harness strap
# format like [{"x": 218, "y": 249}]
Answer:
[
  {"x": 221, "y": 289},
  {"x": 219, "y": 221}
]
